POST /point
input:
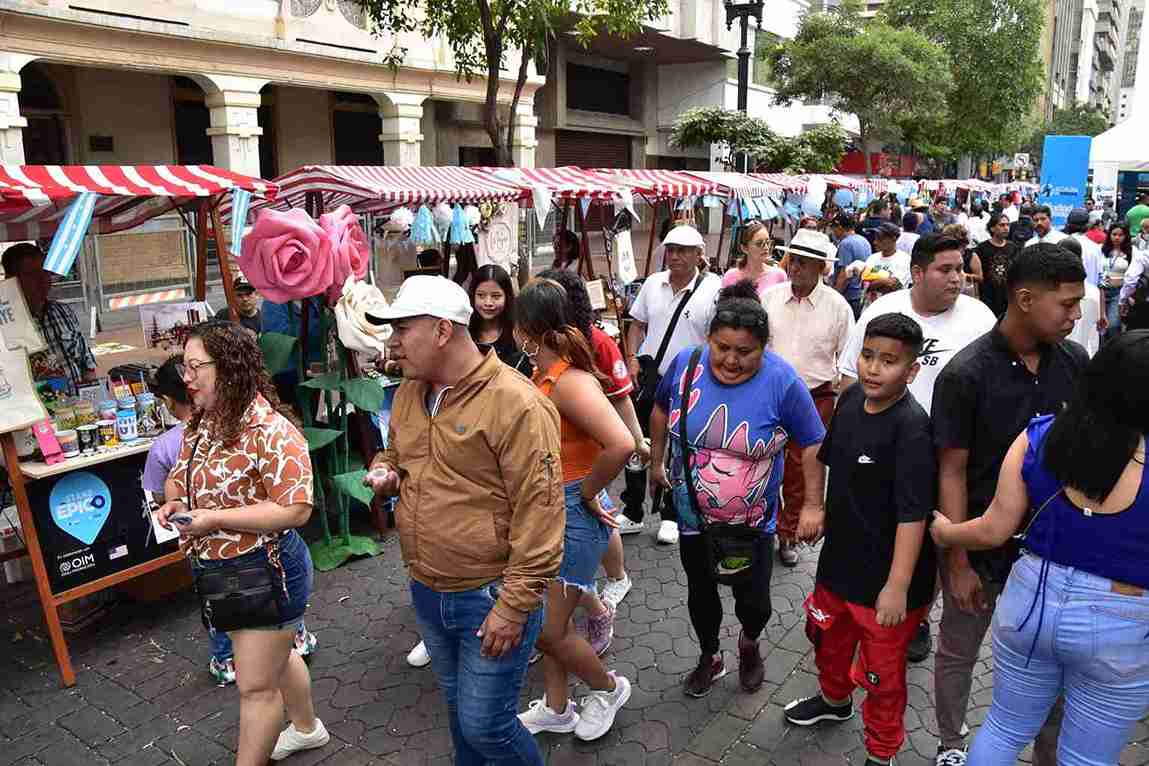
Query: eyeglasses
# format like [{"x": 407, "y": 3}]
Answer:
[
  {"x": 760, "y": 243},
  {"x": 735, "y": 319},
  {"x": 190, "y": 370}
]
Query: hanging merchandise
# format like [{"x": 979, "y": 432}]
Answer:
[
  {"x": 815, "y": 196},
  {"x": 498, "y": 238},
  {"x": 844, "y": 198},
  {"x": 423, "y": 229},
  {"x": 626, "y": 270},
  {"x": 474, "y": 215},
  {"x": 767, "y": 208},
  {"x": 460, "y": 231},
  {"x": 444, "y": 216},
  {"x": 400, "y": 220}
]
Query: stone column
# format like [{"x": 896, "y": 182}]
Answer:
[
  {"x": 401, "y": 135},
  {"x": 523, "y": 140},
  {"x": 11, "y": 123},
  {"x": 233, "y": 103}
]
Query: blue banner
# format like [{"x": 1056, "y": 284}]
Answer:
[{"x": 1064, "y": 173}]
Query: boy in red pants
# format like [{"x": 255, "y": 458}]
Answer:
[{"x": 875, "y": 576}]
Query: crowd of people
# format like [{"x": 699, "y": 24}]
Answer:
[{"x": 903, "y": 387}]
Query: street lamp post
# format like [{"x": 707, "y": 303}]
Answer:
[{"x": 744, "y": 12}]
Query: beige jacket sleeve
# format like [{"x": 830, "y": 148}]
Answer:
[{"x": 532, "y": 473}]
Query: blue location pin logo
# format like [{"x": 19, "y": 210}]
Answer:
[{"x": 80, "y": 504}]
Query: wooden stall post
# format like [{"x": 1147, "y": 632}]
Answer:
[
  {"x": 650, "y": 242},
  {"x": 221, "y": 251},
  {"x": 584, "y": 245},
  {"x": 201, "y": 249},
  {"x": 721, "y": 233},
  {"x": 32, "y": 542},
  {"x": 608, "y": 249}
]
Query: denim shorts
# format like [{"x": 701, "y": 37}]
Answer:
[
  {"x": 297, "y": 570},
  {"x": 585, "y": 539}
]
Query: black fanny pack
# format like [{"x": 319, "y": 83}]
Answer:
[
  {"x": 243, "y": 593},
  {"x": 731, "y": 548}
]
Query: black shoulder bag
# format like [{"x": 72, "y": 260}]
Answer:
[
  {"x": 731, "y": 547},
  {"x": 648, "y": 376},
  {"x": 237, "y": 596}
]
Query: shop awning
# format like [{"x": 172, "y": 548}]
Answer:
[
  {"x": 564, "y": 183},
  {"x": 661, "y": 184},
  {"x": 371, "y": 188},
  {"x": 740, "y": 185},
  {"x": 35, "y": 198},
  {"x": 787, "y": 182}
]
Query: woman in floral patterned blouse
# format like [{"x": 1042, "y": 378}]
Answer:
[{"x": 251, "y": 486}]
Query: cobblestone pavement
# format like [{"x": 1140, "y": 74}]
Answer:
[{"x": 143, "y": 696}]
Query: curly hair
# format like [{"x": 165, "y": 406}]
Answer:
[{"x": 240, "y": 376}]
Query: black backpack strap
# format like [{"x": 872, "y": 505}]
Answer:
[
  {"x": 684, "y": 440},
  {"x": 674, "y": 320}
]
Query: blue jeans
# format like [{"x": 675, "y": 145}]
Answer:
[
  {"x": 1112, "y": 312},
  {"x": 482, "y": 692},
  {"x": 1092, "y": 645}
]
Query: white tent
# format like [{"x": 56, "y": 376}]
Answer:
[{"x": 1123, "y": 144}]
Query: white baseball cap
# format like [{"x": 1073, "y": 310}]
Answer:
[
  {"x": 425, "y": 295},
  {"x": 684, "y": 235}
]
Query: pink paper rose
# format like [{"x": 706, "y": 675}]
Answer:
[
  {"x": 349, "y": 248},
  {"x": 287, "y": 256}
]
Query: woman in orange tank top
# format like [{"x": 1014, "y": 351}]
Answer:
[{"x": 595, "y": 444}]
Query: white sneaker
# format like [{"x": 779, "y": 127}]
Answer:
[
  {"x": 600, "y": 708},
  {"x": 418, "y": 657},
  {"x": 615, "y": 590},
  {"x": 291, "y": 741},
  {"x": 538, "y": 717},
  {"x": 628, "y": 526},
  {"x": 668, "y": 533}
]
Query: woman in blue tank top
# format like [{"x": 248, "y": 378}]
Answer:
[{"x": 1074, "y": 617}]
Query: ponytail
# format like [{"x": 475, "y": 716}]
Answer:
[{"x": 571, "y": 346}]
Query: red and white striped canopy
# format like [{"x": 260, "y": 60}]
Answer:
[
  {"x": 661, "y": 184},
  {"x": 742, "y": 185},
  {"x": 35, "y": 198},
  {"x": 564, "y": 183},
  {"x": 787, "y": 182},
  {"x": 368, "y": 188}
]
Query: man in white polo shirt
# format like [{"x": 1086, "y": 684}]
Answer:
[{"x": 672, "y": 312}]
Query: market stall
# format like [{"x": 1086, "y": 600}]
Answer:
[{"x": 85, "y": 521}]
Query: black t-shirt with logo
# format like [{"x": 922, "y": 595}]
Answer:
[
  {"x": 883, "y": 472},
  {"x": 995, "y": 263}
]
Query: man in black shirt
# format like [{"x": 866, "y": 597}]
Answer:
[
  {"x": 983, "y": 399},
  {"x": 247, "y": 306},
  {"x": 883, "y": 485}
]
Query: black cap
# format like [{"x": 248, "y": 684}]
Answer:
[
  {"x": 241, "y": 285},
  {"x": 888, "y": 229},
  {"x": 846, "y": 221},
  {"x": 1078, "y": 216}
]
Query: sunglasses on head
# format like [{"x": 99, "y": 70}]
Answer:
[{"x": 735, "y": 319}]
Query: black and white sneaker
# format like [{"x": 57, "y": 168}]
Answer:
[
  {"x": 951, "y": 757},
  {"x": 812, "y": 710}
]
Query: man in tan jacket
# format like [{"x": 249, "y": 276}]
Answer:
[{"x": 473, "y": 454}]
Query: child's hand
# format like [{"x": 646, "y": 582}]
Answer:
[
  {"x": 938, "y": 529},
  {"x": 891, "y": 606}
]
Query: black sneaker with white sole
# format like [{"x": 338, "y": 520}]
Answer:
[
  {"x": 952, "y": 757},
  {"x": 812, "y": 710}
]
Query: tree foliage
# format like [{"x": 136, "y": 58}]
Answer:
[
  {"x": 1076, "y": 120},
  {"x": 481, "y": 34},
  {"x": 992, "y": 46},
  {"x": 885, "y": 76},
  {"x": 817, "y": 150}
]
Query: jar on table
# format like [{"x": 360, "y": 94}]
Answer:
[
  {"x": 107, "y": 410},
  {"x": 127, "y": 422},
  {"x": 85, "y": 413},
  {"x": 148, "y": 415}
]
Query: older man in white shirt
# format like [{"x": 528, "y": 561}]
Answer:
[
  {"x": 810, "y": 324},
  {"x": 658, "y": 332}
]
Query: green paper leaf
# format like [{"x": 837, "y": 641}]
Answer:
[
  {"x": 365, "y": 394},
  {"x": 277, "y": 348},
  {"x": 328, "y": 381},
  {"x": 318, "y": 438},
  {"x": 328, "y": 556},
  {"x": 351, "y": 484}
]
